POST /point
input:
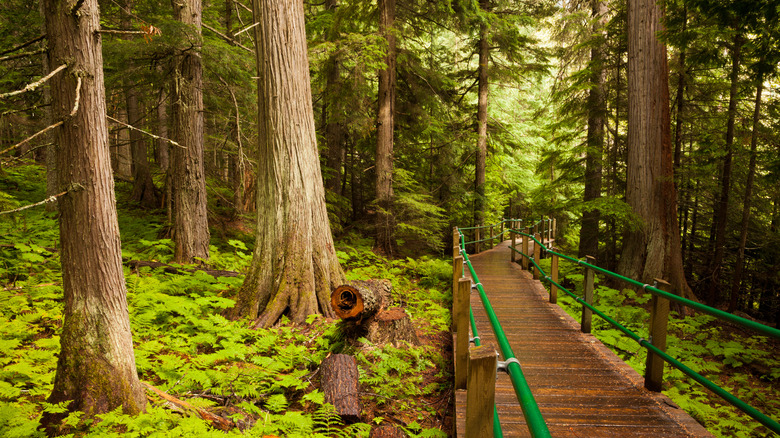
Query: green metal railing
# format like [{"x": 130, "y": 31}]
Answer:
[
  {"x": 533, "y": 416},
  {"x": 763, "y": 329}
]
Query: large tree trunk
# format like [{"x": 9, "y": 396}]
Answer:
[
  {"x": 721, "y": 209},
  {"x": 188, "y": 179},
  {"x": 482, "y": 104},
  {"x": 96, "y": 366},
  {"x": 294, "y": 267},
  {"x": 740, "y": 266},
  {"x": 597, "y": 110},
  {"x": 385, "y": 219},
  {"x": 653, "y": 249}
]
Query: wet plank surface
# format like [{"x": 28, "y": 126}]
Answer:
[{"x": 581, "y": 387}]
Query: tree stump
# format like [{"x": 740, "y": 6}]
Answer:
[
  {"x": 339, "y": 383},
  {"x": 359, "y": 300},
  {"x": 362, "y": 307}
]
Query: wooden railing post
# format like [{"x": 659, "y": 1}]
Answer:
[
  {"x": 491, "y": 241},
  {"x": 550, "y": 226},
  {"x": 476, "y": 238},
  {"x": 659, "y": 318},
  {"x": 501, "y": 235},
  {"x": 460, "y": 317},
  {"x": 537, "y": 255},
  {"x": 554, "y": 229},
  {"x": 514, "y": 242},
  {"x": 526, "y": 239},
  {"x": 457, "y": 274},
  {"x": 587, "y": 314},
  {"x": 481, "y": 391},
  {"x": 455, "y": 242},
  {"x": 554, "y": 276}
]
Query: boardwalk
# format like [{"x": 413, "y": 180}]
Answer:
[{"x": 582, "y": 388}]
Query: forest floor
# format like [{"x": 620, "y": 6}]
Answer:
[{"x": 258, "y": 382}]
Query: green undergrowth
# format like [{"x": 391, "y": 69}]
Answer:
[
  {"x": 265, "y": 381},
  {"x": 746, "y": 365}
]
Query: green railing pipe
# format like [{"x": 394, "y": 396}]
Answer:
[
  {"x": 763, "y": 329},
  {"x": 497, "y": 431},
  {"x": 727, "y": 396},
  {"x": 533, "y": 416}
]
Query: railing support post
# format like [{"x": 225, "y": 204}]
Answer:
[
  {"x": 524, "y": 260},
  {"x": 554, "y": 276},
  {"x": 501, "y": 235},
  {"x": 514, "y": 242},
  {"x": 481, "y": 391},
  {"x": 554, "y": 229},
  {"x": 659, "y": 318},
  {"x": 537, "y": 255},
  {"x": 457, "y": 274},
  {"x": 491, "y": 242},
  {"x": 455, "y": 242},
  {"x": 587, "y": 314},
  {"x": 460, "y": 317},
  {"x": 476, "y": 238}
]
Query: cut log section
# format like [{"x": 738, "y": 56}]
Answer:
[
  {"x": 359, "y": 300},
  {"x": 339, "y": 383},
  {"x": 386, "y": 431}
]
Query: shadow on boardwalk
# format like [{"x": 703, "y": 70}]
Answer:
[{"x": 582, "y": 388}]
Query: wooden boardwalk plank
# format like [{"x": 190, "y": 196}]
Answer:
[{"x": 582, "y": 388}]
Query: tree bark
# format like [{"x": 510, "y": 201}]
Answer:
[
  {"x": 385, "y": 219},
  {"x": 721, "y": 209},
  {"x": 482, "y": 104},
  {"x": 188, "y": 179},
  {"x": 96, "y": 367},
  {"x": 736, "y": 282},
  {"x": 294, "y": 266},
  {"x": 653, "y": 249},
  {"x": 597, "y": 110},
  {"x": 340, "y": 385}
]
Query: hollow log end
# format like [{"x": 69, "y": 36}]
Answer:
[{"x": 346, "y": 302}]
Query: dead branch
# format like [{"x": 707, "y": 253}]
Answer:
[
  {"x": 22, "y": 55},
  {"x": 50, "y": 127},
  {"x": 246, "y": 29},
  {"x": 156, "y": 137},
  {"x": 216, "y": 420},
  {"x": 135, "y": 264},
  {"x": 23, "y": 45},
  {"x": 122, "y": 32},
  {"x": 45, "y": 201},
  {"x": 34, "y": 85},
  {"x": 227, "y": 38}
]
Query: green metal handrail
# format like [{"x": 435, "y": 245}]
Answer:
[
  {"x": 534, "y": 420},
  {"x": 730, "y": 398},
  {"x": 497, "y": 431}
]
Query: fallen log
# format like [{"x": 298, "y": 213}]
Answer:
[
  {"x": 359, "y": 300},
  {"x": 135, "y": 264},
  {"x": 216, "y": 420},
  {"x": 339, "y": 383}
]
